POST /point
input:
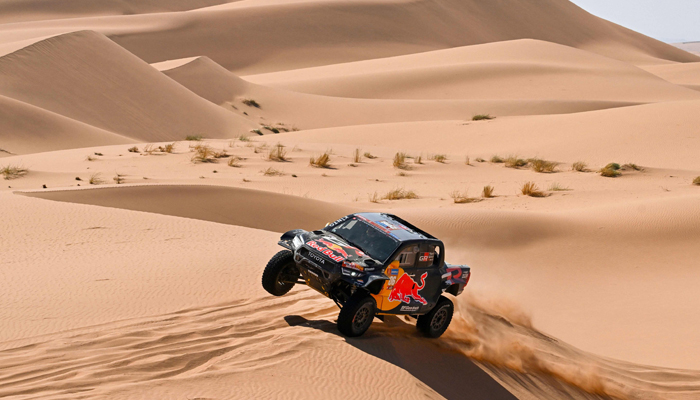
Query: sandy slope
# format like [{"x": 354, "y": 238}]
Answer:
[
  {"x": 681, "y": 74},
  {"x": 86, "y": 77},
  {"x": 25, "y": 128},
  {"x": 521, "y": 69},
  {"x": 304, "y": 34}
]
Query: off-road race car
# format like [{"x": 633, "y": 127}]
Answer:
[{"x": 371, "y": 264}]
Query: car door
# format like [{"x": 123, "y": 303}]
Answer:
[{"x": 428, "y": 265}]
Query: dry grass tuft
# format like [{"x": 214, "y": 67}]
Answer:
[
  {"x": 374, "y": 197},
  {"x": 204, "y": 154},
  {"x": 194, "y": 138},
  {"x": 633, "y": 167},
  {"x": 322, "y": 161},
  {"x": 496, "y": 160},
  {"x": 579, "y": 166},
  {"x": 556, "y": 187},
  {"x": 400, "y": 194},
  {"x": 277, "y": 153},
  {"x": 402, "y": 174},
  {"x": 357, "y": 156},
  {"x": 480, "y": 160},
  {"x": 696, "y": 181},
  {"x": 244, "y": 138},
  {"x": 260, "y": 148},
  {"x": 467, "y": 161},
  {"x": 168, "y": 148},
  {"x": 13, "y": 172},
  {"x": 400, "y": 161},
  {"x": 235, "y": 162},
  {"x": 271, "y": 129},
  {"x": 369, "y": 155},
  {"x": 258, "y": 131},
  {"x": 118, "y": 179},
  {"x": 133, "y": 149},
  {"x": 418, "y": 160},
  {"x": 482, "y": 117},
  {"x": 272, "y": 172},
  {"x": 441, "y": 158},
  {"x": 96, "y": 179},
  {"x": 530, "y": 189},
  {"x": 90, "y": 158},
  {"x": 463, "y": 198},
  {"x": 487, "y": 193},
  {"x": 514, "y": 162},
  {"x": 543, "y": 166}
]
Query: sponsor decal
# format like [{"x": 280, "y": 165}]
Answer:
[
  {"x": 333, "y": 250},
  {"x": 406, "y": 288},
  {"x": 317, "y": 258},
  {"x": 409, "y": 308},
  {"x": 426, "y": 257},
  {"x": 394, "y": 271},
  {"x": 388, "y": 225},
  {"x": 325, "y": 251}
]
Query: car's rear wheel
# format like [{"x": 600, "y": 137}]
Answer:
[
  {"x": 357, "y": 314},
  {"x": 435, "y": 323},
  {"x": 280, "y": 274}
]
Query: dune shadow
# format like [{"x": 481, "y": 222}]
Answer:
[{"x": 449, "y": 373}]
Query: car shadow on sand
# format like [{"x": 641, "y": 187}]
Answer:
[{"x": 449, "y": 373}]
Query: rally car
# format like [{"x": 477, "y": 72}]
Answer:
[{"x": 371, "y": 264}]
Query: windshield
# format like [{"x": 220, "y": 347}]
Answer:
[{"x": 368, "y": 238}]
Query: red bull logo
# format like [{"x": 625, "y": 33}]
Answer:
[
  {"x": 334, "y": 247},
  {"x": 406, "y": 287},
  {"x": 329, "y": 249}
]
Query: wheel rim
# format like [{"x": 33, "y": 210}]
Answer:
[
  {"x": 361, "y": 317},
  {"x": 286, "y": 274},
  {"x": 439, "y": 319}
]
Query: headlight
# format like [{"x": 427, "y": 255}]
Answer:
[
  {"x": 350, "y": 272},
  {"x": 297, "y": 242}
]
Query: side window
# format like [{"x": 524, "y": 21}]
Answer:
[
  {"x": 429, "y": 256},
  {"x": 407, "y": 258}
]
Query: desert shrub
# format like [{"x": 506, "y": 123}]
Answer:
[
  {"x": 543, "y": 166},
  {"x": 480, "y": 160},
  {"x": 271, "y": 129},
  {"x": 610, "y": 171},
  {"x": 369, "y": 155},
  {"x": 118, "y": 179},
  {"x": 13, "y": 172},
  {"x": 482, "y": 117},
  {"x": 556, "y": 187},
  {"x": 496, "y": 159},
  {"x": 322, "y": 161},
  {"x": 258, "y": 131},
  {"x": 357, "y": 156},
  {"x": 579, "y": 166},
  {"x": 244, "y": 138},
  {"x": 418, "y": 160},
  {"x": 514, "y": 162},
  {"x": 631, "y": 166},
  {"x": 374, "y": 197},
  {"x": 272, "y": 172},
  {"x": 463, "y": 197},
  {"x": 696, "y": 181},
  {"x": 487, "y": 193},
  {"x": 168, "y": 148},
  {"x": 194, "y": 138},
  {"x": 400, "y": 194},
  {"x": 235, "y": 162},
  {"x": 277, "y": 153},
  {"x": 90, "y": 158},
  {"x": 400, "y": 161},
  {"x": 530, "y": 189},
  {"x": 133, "y": 149},
  {"x": 96, "y": 179},
  {"x": 250, "y": 103}
]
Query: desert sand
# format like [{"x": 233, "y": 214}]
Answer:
[{"x": 131, "y": 270}]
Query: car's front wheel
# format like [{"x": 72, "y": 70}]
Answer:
[
  {"x": 280, "y": 274},
  {"x": 357, "y": 314},
  {"x": 435, "y": 323}
]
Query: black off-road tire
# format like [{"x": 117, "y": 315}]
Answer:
[
  {"x": 281, "y": 267},
  {"x": 357, "y": 314},
  {"x": 435, "y": 323}
]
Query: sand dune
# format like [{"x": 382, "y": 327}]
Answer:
[
  {"x": 305, "y": 111},
  {"x": 305, "y": 34},
  {"x": 521, "y": 69},
  {"x": 680, "y": 74},
  {"x": 32, "y": 10},
  {"x": 691, "y": 47},
  {"x": 86, "y": 77},
  {"x": 28, "y": 129}
]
